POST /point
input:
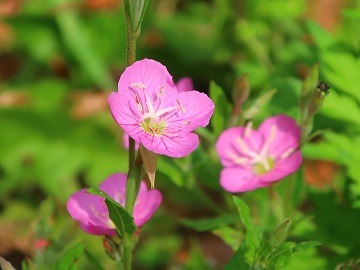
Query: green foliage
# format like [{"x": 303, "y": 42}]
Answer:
[{"x": 68, "y": 260}]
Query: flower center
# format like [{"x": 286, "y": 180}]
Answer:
[
  {"x": 151, "y": 126},
  {"x": 263, "y": 167}
]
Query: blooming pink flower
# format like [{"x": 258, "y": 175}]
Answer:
[
  {"x": 253, "y": 159},
  {"x": 183, "y": 85},
  {"x": 91, "y": 213},
  {"x": 149, "y": 108}
]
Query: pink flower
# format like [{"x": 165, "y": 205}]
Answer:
[
  {"x": 183, "y": 85},
  {"x": 91, "y": 213},
  {"x": 149, "y": 108},
  {"x": 254, "y": 159}
]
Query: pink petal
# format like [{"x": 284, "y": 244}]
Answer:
[
  {"x": 184, "y": 84},
  {"x": 235, "y": 179},
  {"x": 115, "y": 186},
  {"x": 150, "y": 73},
  {"x": 198, "y": 109},
  {"x": 287, "y": 134},
  {"x": 146, "y": 205},
  {"x": 90, "y": 212},
  {"x": 227, "y": 145},
  {"x": 124, "y": 113},
  {"x": 283, "y": 168},
  {"x": 172, "y": 146}
]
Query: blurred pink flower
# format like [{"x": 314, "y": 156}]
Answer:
[
  {"x": 254, "y": 159},
  {"x": 149, "y": 108},
  {"x": 184, "y": 84},
  {"x": 91, "y": 213}
]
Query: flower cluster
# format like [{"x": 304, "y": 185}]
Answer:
[
  {"x": 151, "y": 110},
  {"x": 254, "y": 159},
  {"x": 91, "y": 213}
]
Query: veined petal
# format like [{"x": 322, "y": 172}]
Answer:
[
  {"x": 287, "y": 134},
  {"x": 234, "y": 179},
  {"x": 283, "y": 168},
  {"x": 172, "y": 146},
  {"x": 198, "y": 108},
  {"x": 148, "y": 75}
]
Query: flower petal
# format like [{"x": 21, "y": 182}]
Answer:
[
  {"x": 90, "y": 212},
  {"x": 146, "y": 205},
  {"x": 172, "y": 146},
  {"x": 235, "y": 179},
  {"x": 286, "y": 137},
  {"x": 229, "y": 148},
  {"x": 198, "y": 109},
  {"x": 283, "y": 168},
  {"x": 115, "y": 186}
]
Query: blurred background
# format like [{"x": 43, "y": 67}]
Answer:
[{"x": 60, "y": 59}]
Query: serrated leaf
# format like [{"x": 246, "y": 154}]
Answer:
[
  {"x": 122, "y": 219},
  {"x": 70, "y": 257},
  {"x": 210, "y": 223},
  {"x": 219, "y": 120}
]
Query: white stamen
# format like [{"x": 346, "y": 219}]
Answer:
[
  {"x": 287, "y": 153},
  {"x": 245, "y": 149},
  {"x": 187, "y": 123},
  {"x": 236, "y": 159},
  {"x": 140, "y": 85},
  {"x": 268, "y": 142}
]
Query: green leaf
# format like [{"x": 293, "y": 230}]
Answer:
[
  {"x": 70, "y": 257},
  {"x": 282, "y": 255},
  {"x": 305, "y": 245},
  {"x": 138, "y": 10},
  {"x": 93, "y": 261},
  {"x": 231, "y": 236},
  {"x": 210, "y": 223},
  {"x": 252, "y": 237},
  {"x": 219, "y": 120},
  {"x": 322, "y": 38},
  {"x": 258, "y": 104},
  {"x": 122, "y": 219},
  {"x": 237, "y": 262}
]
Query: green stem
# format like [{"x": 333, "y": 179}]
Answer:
[
  {"x": 135, "y": 166},
  {"x": 288, "y": 195}
]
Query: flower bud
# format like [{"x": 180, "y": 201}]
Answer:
[
  {"x": 150, "y": 161},
  {"x": 240, "y": 92}
]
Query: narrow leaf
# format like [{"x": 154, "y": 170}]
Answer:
[
  {"x": 93, "y": 261},
  {"x": 237, "y": 262},
  {"x": 220, "y": 117},
  {"x": 258, "y": 104}
]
